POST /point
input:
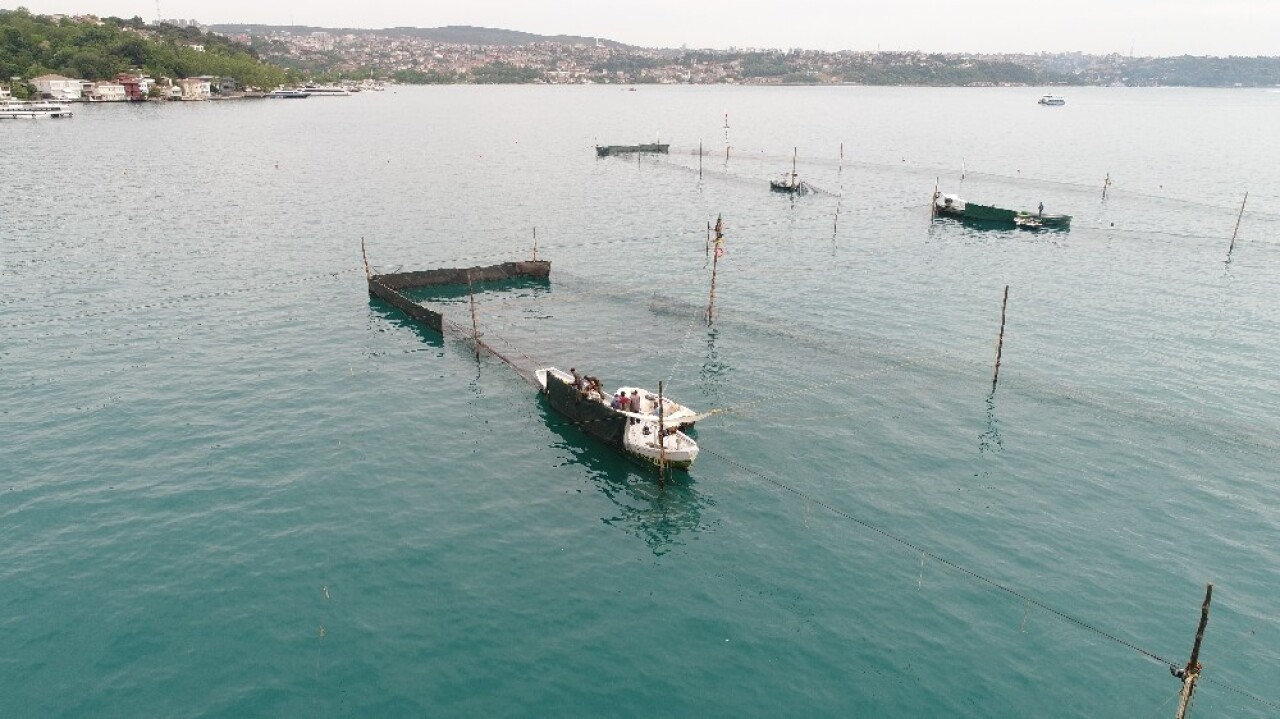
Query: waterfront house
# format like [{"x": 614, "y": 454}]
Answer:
[
  {"x": 109, "y": 92},
  {"x": 227, "y": 84},
  {"x": 136, "y": 87},
  {"x": 4, "y": 92},
  {"x": 57, "y": 87},
  {"x": 194, "y": 88}
]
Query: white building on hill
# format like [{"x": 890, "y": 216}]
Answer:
[{"x": 57, "y": 87}]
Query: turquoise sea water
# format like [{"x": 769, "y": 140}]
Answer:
[{"x": 233, "y": 485}]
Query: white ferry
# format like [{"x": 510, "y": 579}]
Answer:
[
  {"x": 1053, "y": 100},
  {"x": 20, "y": 110},
  {"x": 285, "y": 93},
  {"x": 324, "y": 91}
]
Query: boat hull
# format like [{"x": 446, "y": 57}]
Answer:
[
  {"x": 614, "y": 427},
  {"x": 653, "y": 148},
  {"x": 998, "y": 218}
]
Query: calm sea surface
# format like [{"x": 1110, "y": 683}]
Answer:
[{"x": 233, "y": 485}]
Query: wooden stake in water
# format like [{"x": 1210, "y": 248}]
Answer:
[
  {"x": 715, "y": 263},
  {"x": 699, "y": 159},
  {"x": 933, "y": 201},
  {"x": 535, "y": 244},
  {"x": 368, "y": 274},
  {"x": 475, "y": 324},
  {"x": 1191, "y": 673},
  {"x": 1237, "y": 231},
  {"x": 995, "y": 377},
  {"x": 841, "y": 166},
  {"x": 1105, "y": 184},
  {"x": 726, "y": 137},
  {"x": 662, "y": 440}
]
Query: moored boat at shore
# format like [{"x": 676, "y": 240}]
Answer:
[
  {"x": 285, "y": 93},
  {"x": 32, "y": 110},
  {"x": 643, "y": 435},
  {"x": 325, "y": 91}
]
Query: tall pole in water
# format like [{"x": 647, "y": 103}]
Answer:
[
  {"x": 368, "y": 275},
  {"x": 995, "y": 377},
  {"x": 662, "y": 441},
  {"x": 1237, "y": 231},
  {"x": 1191, "y": 673},
  {"x": 1105, "y": 184},
  {"x": 715, "y": 263},
  {"x": 706, "y": 249},
  {"x": 475, "y": 325},
  {"x": 794, "y": 151},
  {"x": 535, "y": 244},
  {"x": 699, "y": 159},
  {"x": 726, "y": 137}
]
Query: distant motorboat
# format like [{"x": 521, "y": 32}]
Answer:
[
  {"x": 22, "y": 110},
  {"x": 1053, "y": 100}
]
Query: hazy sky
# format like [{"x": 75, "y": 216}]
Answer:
[{"x": 1149, "y": 27}]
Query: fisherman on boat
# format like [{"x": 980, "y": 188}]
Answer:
[{"x": 577, "y": 378}]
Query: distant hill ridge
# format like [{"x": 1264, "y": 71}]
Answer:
[{"x": 452, "y": 34}]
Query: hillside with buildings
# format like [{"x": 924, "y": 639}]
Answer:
[
  {"x": 479, "y": 55},
  {"x": 62, "y": 57}
]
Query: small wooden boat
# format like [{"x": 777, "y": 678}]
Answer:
[
  {"x": 789, "y": 183},
  {"x": 642, "y": 435}
]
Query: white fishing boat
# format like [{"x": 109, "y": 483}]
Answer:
[
  {"x": 643, "y": 434},
  {"x": 21, "y": 110},
  {"x": 1053, "y": 100}
]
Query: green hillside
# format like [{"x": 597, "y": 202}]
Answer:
[{"x": 34, "y": 45}]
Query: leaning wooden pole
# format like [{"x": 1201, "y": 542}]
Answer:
[
  {"x": 368, "y": 273},
  {"x": 1004, "y": 306},
  {"x": 933, "y": 201},
  {"x": 1191, "y": 673},
  {"x": 1105, "y": 184},
  {"x": 1237, "y": 230},
  {"x": 715, "y": 263},
  {"x": 475, "y": 324}
]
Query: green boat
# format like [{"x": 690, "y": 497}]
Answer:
[
  {"x": 998, "y": 217},
  {"x": 607, "y": 150}
]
